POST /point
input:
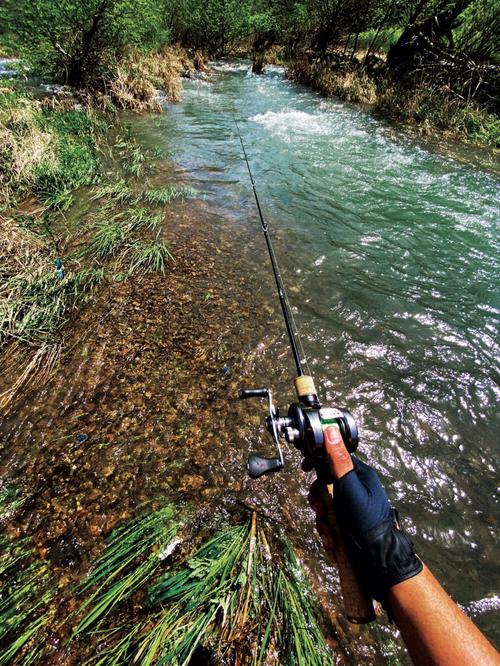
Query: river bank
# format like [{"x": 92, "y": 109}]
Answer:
[{"x": 54, "y": 141}]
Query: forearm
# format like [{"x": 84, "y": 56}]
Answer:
[{"x": 434, "y": 629}]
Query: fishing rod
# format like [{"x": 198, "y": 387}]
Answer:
[{"x": 304, "y": 426}]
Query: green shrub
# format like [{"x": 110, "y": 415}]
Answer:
[{"x": 76, "y": 164}]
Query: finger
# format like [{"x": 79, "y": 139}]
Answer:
[{"x": 338, "y": 456}]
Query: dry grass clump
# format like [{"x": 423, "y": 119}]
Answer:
[
  {"x": 141, "y": 79},
  {"x": 24, "y": 145},
  {"x": 132, "y": 91},
  {"x": 20, "y": 250},
  {"x": 330, "y": 79},
  {"x": 349, "y": 85},
  {"x": 199, "y": 60}
]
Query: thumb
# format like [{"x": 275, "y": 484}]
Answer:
[{"x": 338, "y": 456}]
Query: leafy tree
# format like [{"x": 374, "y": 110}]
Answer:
[{"x": 79, "y": 41}]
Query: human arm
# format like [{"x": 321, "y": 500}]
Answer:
[{"x": 433, "y": 627}]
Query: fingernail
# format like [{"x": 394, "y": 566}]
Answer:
[{"x": 332, "y": 434}]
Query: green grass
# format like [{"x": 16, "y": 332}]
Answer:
[
  {"x": 26, "y": 591},
  {"x": 383, "y": 40},
  {"x": 132, "y": 156},
  {"x": 142, "y": 217},
  {"x": 132, "y": 555},
  {"x": 233, "y": 587},
  {"x": 118, "y": 190},
  {"x": 239, "y": 593},
  {"x": 106, "y": 241},
  {"x": 134, "y": 162},
  {"x": 10, "y": 501},
  {"x": 37, "y": 302},
  {"x": 76, "y": 122},
  {"x": 150, "y": 256},
  {"x": 45, "y": 151},
  {"x": 76, "y": 164},
  {"x": 165, "y": 196},
  {"x": 61, "y": 201}
]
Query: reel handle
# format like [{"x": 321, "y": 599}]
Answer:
[
  {"x": 257, "y": 466},
  {"x": 243, "y": 394},
  {"x": 358, "y": 604}
]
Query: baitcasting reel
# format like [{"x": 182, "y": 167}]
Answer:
[{"x": 303, "y": 427}]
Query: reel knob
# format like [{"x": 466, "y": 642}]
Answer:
[{"x": 257, "y": 466}]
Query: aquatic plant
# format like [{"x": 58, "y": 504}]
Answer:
[
  {"x": 239, "y": 593},
  {"x": 150, "y": 256},
  {"x": 134, "y": 160},
  {"x": 10, "y": 501},
  {"x": 234, "y": 587},
  {"x": 141, "y": 217},
  {"x": 107, "y": 239},
  {"x": 165, "y": 196},
  {"x": 26, "y": 591},
  {"x": 117, "y": 190},
  {"x": 300, "y": 637},
  {"x": 132, "y": 555}
]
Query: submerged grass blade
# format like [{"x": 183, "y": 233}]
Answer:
[
  {"x": 119, "y": 191},
  {"x": 165, "y": 196},
  {"x": 106, "y": 240},
  {"x": 301, "y": 639},
  {"x": 150, "y": 256},
  {"x": 26, "y": 591},
  {"x": 141, "y": 217},
  {"x": 120, "y": 566},
  {"x": 10, "y": 501}
]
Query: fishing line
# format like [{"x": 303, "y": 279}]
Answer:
[{"x": 291, "y": 326}]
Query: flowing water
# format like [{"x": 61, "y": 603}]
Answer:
[{"x": 390, "y": 256}]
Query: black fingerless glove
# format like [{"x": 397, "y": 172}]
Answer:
[
  {"x": 383, "y": 552},
  {"x": 385, "y": 556}
]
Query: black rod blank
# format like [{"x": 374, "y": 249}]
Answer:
[{"x": 274, "y": 263}]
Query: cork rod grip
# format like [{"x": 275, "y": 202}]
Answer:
[{"x": 357, "y": 602}]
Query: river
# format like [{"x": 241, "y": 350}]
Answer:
[{"x": 390, "y": 256}]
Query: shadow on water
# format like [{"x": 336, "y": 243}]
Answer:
[{"x": 391, "y": 268}]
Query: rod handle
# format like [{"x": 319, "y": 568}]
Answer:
[{"x": 357, "y": 602}]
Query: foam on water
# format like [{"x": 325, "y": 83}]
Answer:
[
  {"x": 230, "y": 66},
  {"x": 292, "y": 120}
]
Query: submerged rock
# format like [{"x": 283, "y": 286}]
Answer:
[{"x": 65, "y": 550}]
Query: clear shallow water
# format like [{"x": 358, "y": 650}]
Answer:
[{"x": 390, "y": 254}]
